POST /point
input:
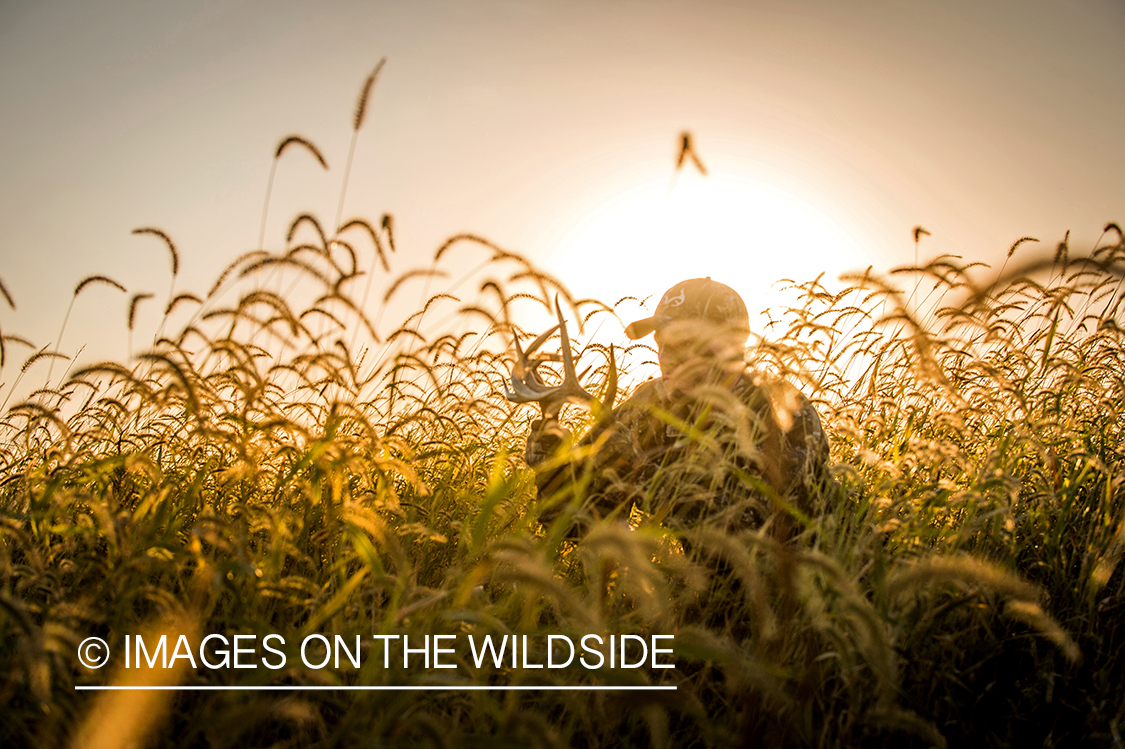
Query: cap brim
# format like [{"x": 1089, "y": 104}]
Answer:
[{"x": 641, "y": 328}]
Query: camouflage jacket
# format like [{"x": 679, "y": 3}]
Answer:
[{"x": 720, "y": 454}]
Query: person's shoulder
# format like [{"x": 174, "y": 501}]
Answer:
[
  {"x": 787, "y": 401},
  {"x": 646, "y": 395},
  {"x": 776, "y": 387},
  {"x": 649, "y": 390}
]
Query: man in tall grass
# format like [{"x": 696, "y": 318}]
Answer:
[{"x": 710, "y": 441}]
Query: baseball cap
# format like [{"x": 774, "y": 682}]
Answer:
[{"x": 695, "y": 299}]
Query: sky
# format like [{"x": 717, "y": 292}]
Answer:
[{"x": 829, "y": 131}]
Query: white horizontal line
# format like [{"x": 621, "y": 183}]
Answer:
[{"x": 373, "y": 689}]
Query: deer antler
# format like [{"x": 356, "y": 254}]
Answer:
[{"x": 528, "y": 386}]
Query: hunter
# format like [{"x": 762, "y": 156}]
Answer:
[{"x": 709, "y": 441}]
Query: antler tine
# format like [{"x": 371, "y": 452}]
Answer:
[
  {"x": 570, "y": 385},
  {"x": 603, "y": 408},
  {"x": 521, "y": 365},
  {"x": 539, "y": 341},
  {"x": 521, "y": 392},
  {"x": 524, "y": 365},
  {"x": 527, "y": 387},
  {"x": 610, "y": 382}
]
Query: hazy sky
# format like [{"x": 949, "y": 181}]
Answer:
[{"x": 830, "y": 129}]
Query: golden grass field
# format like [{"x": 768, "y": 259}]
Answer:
[{"x": 276, "y": 463}]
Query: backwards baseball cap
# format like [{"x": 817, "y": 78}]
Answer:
[{"x": 695, "y": 299}]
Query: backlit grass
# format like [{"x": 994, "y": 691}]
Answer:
[{"x": 277, "y": 462}]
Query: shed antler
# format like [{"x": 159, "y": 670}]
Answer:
[{"x": 528, "y": 386}]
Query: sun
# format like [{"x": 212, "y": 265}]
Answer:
[{"x": 742, "y": 232}]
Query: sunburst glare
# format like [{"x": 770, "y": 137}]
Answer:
[{"x": 744, "y": 232}]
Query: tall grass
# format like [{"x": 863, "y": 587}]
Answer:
[{"x": 284, "y": 463}]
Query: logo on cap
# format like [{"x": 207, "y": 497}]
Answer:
[{"x": 673, "y": 301}]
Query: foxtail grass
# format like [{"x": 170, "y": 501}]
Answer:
[{"x": 287, "y": 460}]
